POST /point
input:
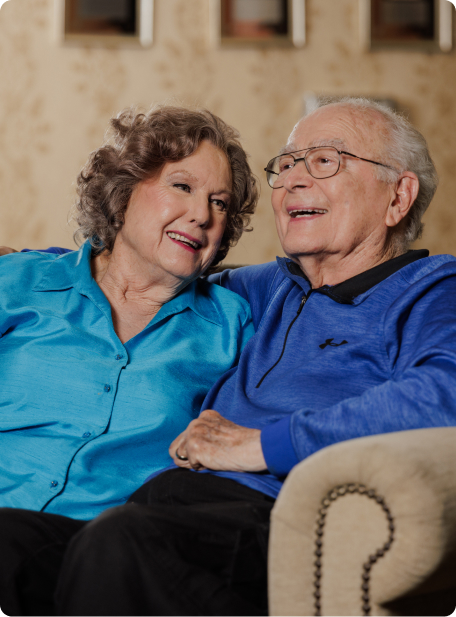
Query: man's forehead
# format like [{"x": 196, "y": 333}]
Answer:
[
  {"x": 343, "y": 128},
  {"x": 336, "y": 142}
]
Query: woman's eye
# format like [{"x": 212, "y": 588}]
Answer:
[
  {"x": 219, "y": 203},
  {"x": 183, "y": 187}
]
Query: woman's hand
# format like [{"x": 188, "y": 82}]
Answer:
[
  {"x": 212, "y": 442},
  {"x": 6, "y": 250}
]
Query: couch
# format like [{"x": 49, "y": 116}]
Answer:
[{"x": 368, "y": 527}]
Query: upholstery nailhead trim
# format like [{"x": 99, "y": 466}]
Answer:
[{"x": 335, "y": 493}]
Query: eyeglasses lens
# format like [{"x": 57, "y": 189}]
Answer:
[{"x": 320, "y": 163}]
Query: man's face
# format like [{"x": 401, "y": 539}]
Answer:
[{"x": 342, "y": 215}]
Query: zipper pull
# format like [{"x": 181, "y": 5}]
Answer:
[{"x": 303, "y": 301}]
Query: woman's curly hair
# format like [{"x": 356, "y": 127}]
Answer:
[{"x": 136, "y": 148}]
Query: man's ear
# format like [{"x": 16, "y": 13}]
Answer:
[{"x": 405, "y": 194}]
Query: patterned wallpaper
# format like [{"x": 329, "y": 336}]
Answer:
[{"x": 55, "y": 102}]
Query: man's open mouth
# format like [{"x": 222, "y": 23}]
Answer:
[
  {"x": 192, "y": 243},
  {"x": 298, "y": 213}
]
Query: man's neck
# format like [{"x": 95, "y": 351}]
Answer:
[{"x": 323, "y": 269}]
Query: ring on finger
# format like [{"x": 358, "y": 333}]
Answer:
[{"x": 180, "y": 457}]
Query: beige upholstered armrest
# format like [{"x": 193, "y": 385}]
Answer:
[{"x": 415, "y": 473}]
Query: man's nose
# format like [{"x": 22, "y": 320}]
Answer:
[{"x": 298, "y": 176}]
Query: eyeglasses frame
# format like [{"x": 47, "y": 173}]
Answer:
[{"x": 306, "y": 150}]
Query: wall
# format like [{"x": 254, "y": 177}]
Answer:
[{"x": 55, "y": 102}]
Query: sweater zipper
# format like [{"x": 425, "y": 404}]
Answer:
[{"x": 301, "y": 306}]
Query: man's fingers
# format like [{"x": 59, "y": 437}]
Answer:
[
  {"x": 206, "y": 442},
  {"x": 6, "y": 250}
]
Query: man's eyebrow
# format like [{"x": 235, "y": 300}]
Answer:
[
  {"x": 336, "y": 143},
  {"x": 290, "y": 147}
]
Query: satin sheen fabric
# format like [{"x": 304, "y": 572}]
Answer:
[{"x": 84, "y": 419}]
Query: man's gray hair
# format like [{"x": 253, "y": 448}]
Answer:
[{"x": 406, "y": 149}]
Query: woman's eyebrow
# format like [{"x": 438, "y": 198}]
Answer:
[
  {"x": 223, "y": 191},
  {"x": 184, "y": 171},
  {"x": 215, "y": 191}
]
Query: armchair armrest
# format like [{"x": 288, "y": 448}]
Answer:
[{"x": 413, "y": 473}]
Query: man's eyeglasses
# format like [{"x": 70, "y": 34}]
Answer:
[{"x": 321, "y": 162}]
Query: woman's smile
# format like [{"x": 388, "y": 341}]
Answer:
[{"x": 187, "y": 242}]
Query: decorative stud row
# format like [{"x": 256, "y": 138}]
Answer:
[{"x": 333, "y": 495}]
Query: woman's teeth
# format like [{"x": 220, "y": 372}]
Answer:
[{"x": 183, "y": 239}]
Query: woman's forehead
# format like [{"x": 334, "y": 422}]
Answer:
[{"x": 206, "y": 163}]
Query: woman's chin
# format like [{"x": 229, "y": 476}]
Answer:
[{"x": 186, "y": 275}]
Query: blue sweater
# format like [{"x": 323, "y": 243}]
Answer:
[{"x": 374, "y": 354}]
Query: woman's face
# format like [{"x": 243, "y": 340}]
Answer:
[{"x": 174, "y": 222}]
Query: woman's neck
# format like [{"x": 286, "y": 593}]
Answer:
[{"x": 135, "y": 292}]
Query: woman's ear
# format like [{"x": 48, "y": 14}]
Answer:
[{"x": 405, "y": 194}]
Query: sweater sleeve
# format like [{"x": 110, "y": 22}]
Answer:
[
  {"x": 255, "y": 284},
  {"x": 52, "y": 249},
  {"x": 420, "y": 340}
]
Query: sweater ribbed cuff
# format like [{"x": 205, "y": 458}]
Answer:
[{"x": 277, "y": 447}]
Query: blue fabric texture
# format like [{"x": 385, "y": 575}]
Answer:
[
  {"x": 84, "y": 418},
  {"x": 384, "y": 361},
  {"x": 52, "y": 249}
]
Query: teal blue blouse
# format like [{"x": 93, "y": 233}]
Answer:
[{"x": 84, "y": 419}]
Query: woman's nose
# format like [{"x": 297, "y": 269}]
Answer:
[{"x": 200, "y": 212}]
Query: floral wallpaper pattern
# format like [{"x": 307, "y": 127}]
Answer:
[{"x": 56, "y": 100}]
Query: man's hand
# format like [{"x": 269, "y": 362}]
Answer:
[
  {"x": 6, "y": 250},
  {"x": 212, "y": 442}
]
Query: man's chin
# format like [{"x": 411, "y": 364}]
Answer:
[{"x": 296, "y": 252}]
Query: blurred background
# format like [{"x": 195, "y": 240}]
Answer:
[{"x": 56, "y": 100}]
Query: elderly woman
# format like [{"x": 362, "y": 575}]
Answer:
[{"x": 108, "y": 352}]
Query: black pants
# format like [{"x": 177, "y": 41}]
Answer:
[{"x": 186, "y": 544}]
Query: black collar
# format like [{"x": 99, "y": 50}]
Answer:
[{"x": 347, "y": 291}]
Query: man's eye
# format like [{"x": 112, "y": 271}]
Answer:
[
  {"x": 285, "y": 164},
  {"x": 183, "y": 187}
]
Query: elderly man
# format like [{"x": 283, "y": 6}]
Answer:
[{"x": 355, "y": 335}]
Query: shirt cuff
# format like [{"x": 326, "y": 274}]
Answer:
[{"x": 277, "y": 447}]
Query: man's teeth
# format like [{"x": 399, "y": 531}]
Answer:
[
  {"x": 183, "y": 239},
  {"x": 296, "y": 213}
]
